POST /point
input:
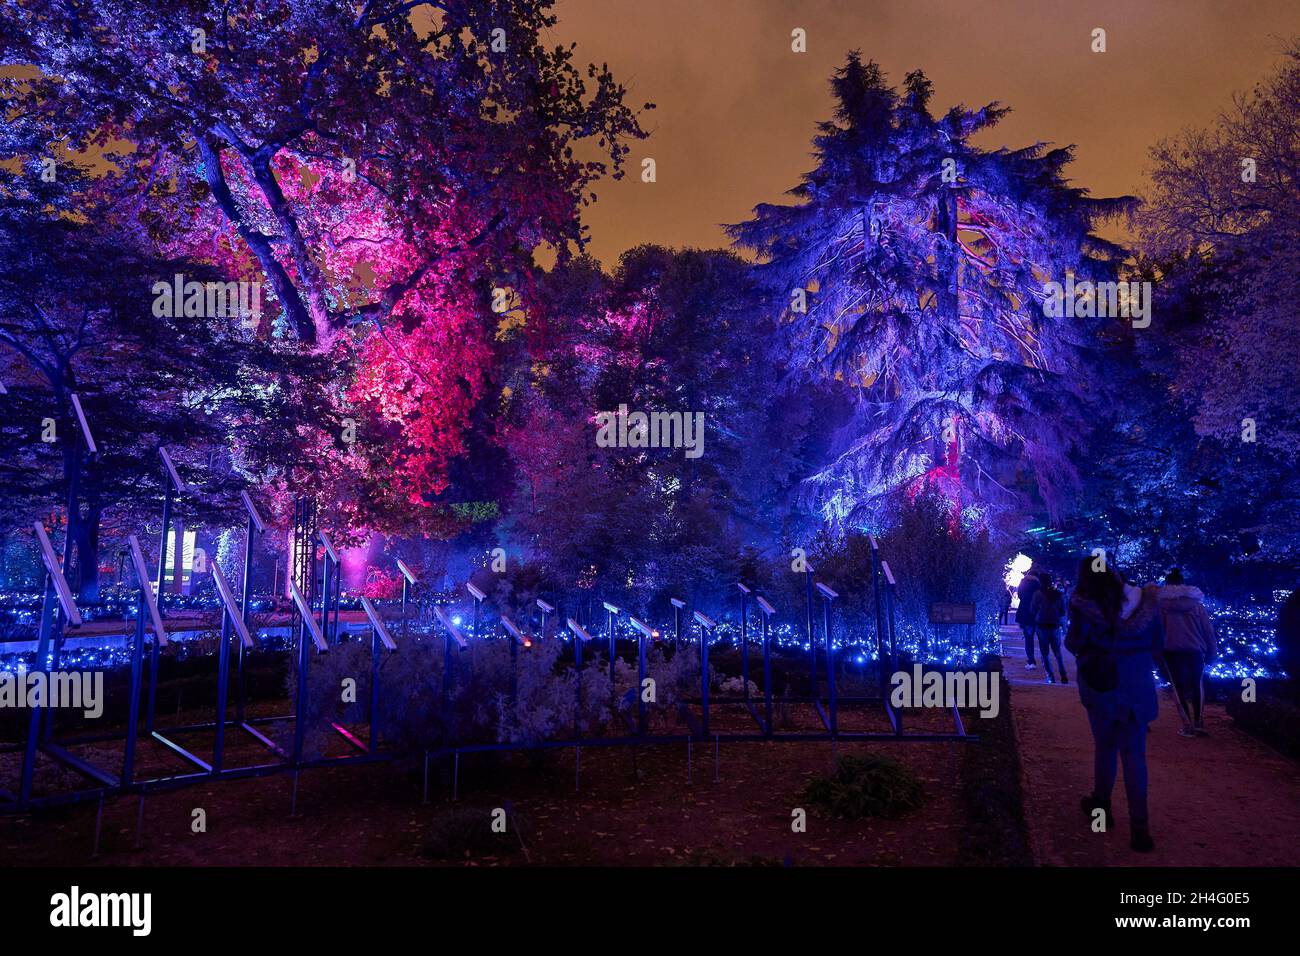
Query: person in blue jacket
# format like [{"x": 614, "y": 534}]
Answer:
[{"x": 1115, "y": 631}]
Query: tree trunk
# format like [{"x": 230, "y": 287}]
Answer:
[{"x": 87, "y": 542}]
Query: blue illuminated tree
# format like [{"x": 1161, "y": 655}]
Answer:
[{"x": 913, "y": 268}]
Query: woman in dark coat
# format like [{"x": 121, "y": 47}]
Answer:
[{"x": 1115, "y": 631}]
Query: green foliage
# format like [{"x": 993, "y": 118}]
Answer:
[{"x": 867, "y": 786}]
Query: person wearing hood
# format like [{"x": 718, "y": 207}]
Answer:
[
  {"x": 1025, "y": 613},
  {"x": 1115, "y": 632},
  {"x": 1190, "y": 644}
]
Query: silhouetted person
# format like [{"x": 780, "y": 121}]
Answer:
[
  {"x": 1115, "y": 631},
  {"x": 1190, "y": 644},
  {"x": 1025, "y": 613},
  {"x": 1048, "y": 607}
]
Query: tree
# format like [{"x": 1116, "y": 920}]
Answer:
[
  {"x": 914, "y": 268},
  {"x": 1221, "y": 218},
  {"x": 1194, "y": 463},
  {"x": 668, "y": 332},
  {"x": 76, "y": 318},
  {"x": 380, "y": 166}
]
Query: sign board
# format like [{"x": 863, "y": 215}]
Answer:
[
  {"x": 513, "y": 630},
  {"x": 478, "y": 594},
  {"x": 942, "y": 612},
  {"x": 452, "y": 629},
  {"x": 765, "y": 606},
  {"x": 171, "y": 470},
  {"x": 61, "y": 589},
  {"x": 546, "y": 608},
  {"x": 307, "y": 617},
  {"x": 329, "y": 546},
  {"x": 678, "y": 602},
  {"x": 407, "y": 572},
  {"x": 827, "y": 592},
  {"x": 232, "y": 607},
  {"x": 578, "y": 630},
  {"x": 252, "y": 512},
  {"x": 705, "y": 620},
  {"x": 146, "y": 584},
  {"x": 643, "y": 627},
  {"x": 611, "y": 608},
  {"x": 377, "y": 623},
  {"x": 85, "y": 427}
]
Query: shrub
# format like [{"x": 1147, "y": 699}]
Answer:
[{"x": 867, "y": 786}]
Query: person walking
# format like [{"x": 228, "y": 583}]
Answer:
[
  {"x": 1190, "y": 644},
  {"x": 1048, "y": 609},
  {"x": 1115, "y": 632},
  {"x": 1025, "y": 613}
]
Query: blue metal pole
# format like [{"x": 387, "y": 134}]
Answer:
[
  {"x": 223, "y": 676},
  {"x": 744, "y": 641},
  {"x": 48, "y": 609},
  {"x": 830, "y": 667},
  {"x": 300, "y": 709},
  {"x": 767, "y": 672},
  {"x": 640, "y": 684},
  {"x": 812, "y": 646},
  {"x": 704, "y": 679},
  {"x": 325, "y": 595},
  {"x": 133, "y": 703},
  {"x": 611, "y": 652},
  {"x": 374, "y": 688},
  {"x": 244, "y": 598},
  {"x": 151, "y": 706},
  {"x": 447, "y": 662},
  {"x": 406, "y": 584}
]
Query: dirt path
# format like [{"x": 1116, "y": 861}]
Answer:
[{"x": 1222, "y": 800}]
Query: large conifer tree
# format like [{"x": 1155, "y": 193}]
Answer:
[{"x": 914, "y": 267}]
